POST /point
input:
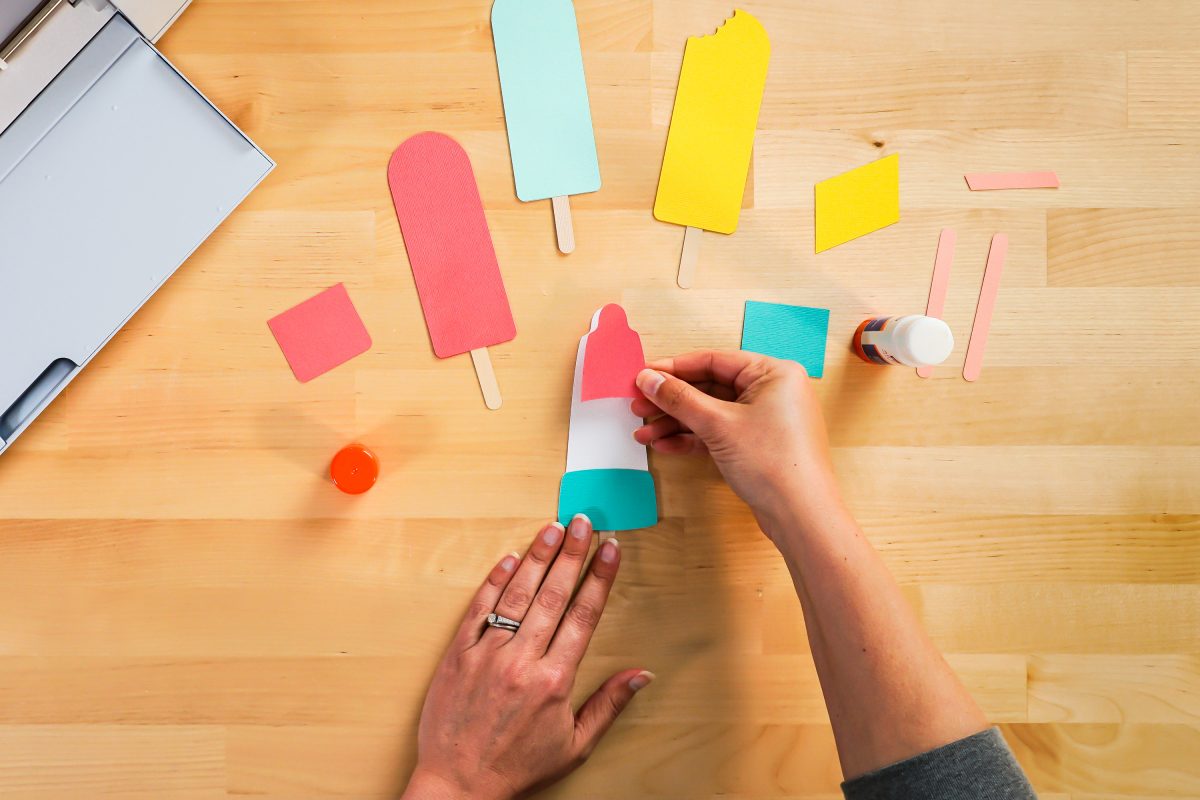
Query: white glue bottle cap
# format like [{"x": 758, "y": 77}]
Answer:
[{"x": 921, "y": 341}]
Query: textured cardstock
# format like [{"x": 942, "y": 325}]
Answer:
[
  {"x": 449, "y": 245},
  {"x": 613, "y": 499},
  {"x": 943, "y": 262},
  {"x": 857, "y": 202},
  {"x": 711, "y": 138},
  {"x": 613, "y": 358},
  {"x": 546, "y": 107},
  {"x": 795, "y": 333},
  {"x": 321, "y": 333},
  {"x": 988, "y": 292}
]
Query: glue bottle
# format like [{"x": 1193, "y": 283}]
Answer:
[{"x": 911, "y": 341}]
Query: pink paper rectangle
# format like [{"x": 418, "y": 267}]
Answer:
[
  {"x": 989, "y": 181},
  {"x": 321, "y": 333}
]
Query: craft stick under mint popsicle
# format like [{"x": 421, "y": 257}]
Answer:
[
  {"x": 450, "y": 250},
  {"x": 546, "y": 106},
  {"x": 711, "y": 139}
]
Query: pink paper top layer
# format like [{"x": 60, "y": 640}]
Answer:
[
  {"x": 988, "y": 181},
  {"x": 449, "y": 245},
  {"x": 321, "y": 333},
  {"x": 613, "y": 357}
]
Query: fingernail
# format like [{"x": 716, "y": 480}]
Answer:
[
  {"x": 608, "y": 551},
  {"x": 553, "y": 534},
  {"x": 641, "y": 680},
  {"x": 581, "y": 527},
  {"x": 510, "y": 562},
  {"x": 649, "y": 380}
]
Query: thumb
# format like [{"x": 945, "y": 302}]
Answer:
[
  {"x": 601, "y": 710},
  {"x": 680, "y": 399}
]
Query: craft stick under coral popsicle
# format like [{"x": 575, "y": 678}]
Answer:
[
  {"x": 546, "y": 107},
  {"x": 711, "y": 139},
  {"x": 450, "y": 250}
]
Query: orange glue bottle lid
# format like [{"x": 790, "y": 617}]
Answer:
[{"x": 354, "y": 469}]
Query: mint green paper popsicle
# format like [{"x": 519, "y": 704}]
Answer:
[{"x": 546, "y": 105}]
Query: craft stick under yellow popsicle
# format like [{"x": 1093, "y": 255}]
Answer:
[
  {"x": 711, "y": 140},
  {"x": 546, "y": 108}
]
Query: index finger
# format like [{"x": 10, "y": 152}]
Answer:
[{"x": 736, "y": 368}]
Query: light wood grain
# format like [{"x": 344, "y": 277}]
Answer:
[{"x": 190, "y": 610}]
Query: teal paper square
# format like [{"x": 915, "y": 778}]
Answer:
[
  {"x": 795, "y": 333},
  {"x": 613, "y": 499}
]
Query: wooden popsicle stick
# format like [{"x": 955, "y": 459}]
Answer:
[
  {"x": 487, "y": 378},
  {"x": 689, "y": 257},
  {"x": 563, "y": 224},
  {"x": 987, "y": 303},
  {"x": 942, "y": 263}
]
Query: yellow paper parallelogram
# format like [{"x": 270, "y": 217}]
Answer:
[{"x": 857, "y": 202}]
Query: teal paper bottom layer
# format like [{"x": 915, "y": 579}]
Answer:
[{"x": 613, "y": 499}]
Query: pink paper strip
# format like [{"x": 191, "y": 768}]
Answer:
[
  {"x": 987, "y": 303},
  {"x": 988, "y": 181},
  {"x": 321, "y": 333},
  {"x": 942, "y": 263}
]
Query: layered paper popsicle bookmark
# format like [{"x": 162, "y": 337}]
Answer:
[
  {"x": 607, "y": 476},
  {"x": 546, "y": 107},
  {"x": 450, "y": 250},
  {"x": 711, "y": 139}
]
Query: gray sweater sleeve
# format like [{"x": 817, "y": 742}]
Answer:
[{"x": 979, "y": 767}]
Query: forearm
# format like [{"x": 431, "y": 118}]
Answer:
[{"x": 889, "y": 692}]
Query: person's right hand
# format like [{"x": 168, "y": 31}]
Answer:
[{"x": 757, "y": 416}]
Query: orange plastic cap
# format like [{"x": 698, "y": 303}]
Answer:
[{"x": 354, "y": 469}]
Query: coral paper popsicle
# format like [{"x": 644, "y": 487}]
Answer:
[
  {"x": 546, "y": 107},
  {"x": 942, "y": 262},
  {"x": 450, "y": 250},
  {"x": 711, "y": 139}
]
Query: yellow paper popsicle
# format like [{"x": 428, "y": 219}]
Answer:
[
  {"x": 712, "y": 126},
  {"x": 857, "y": 202}
]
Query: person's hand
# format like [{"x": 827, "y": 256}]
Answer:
[
  {"x": 498, "y": 720},
  {"x": 757, "y": 416}
]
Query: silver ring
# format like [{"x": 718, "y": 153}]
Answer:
[{"x": 503, "y": 623}]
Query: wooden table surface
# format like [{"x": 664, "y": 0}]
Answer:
[{"x": 188, "y": 609}]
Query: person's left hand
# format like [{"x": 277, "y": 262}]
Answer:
[{"x": 498, "y": 720}]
